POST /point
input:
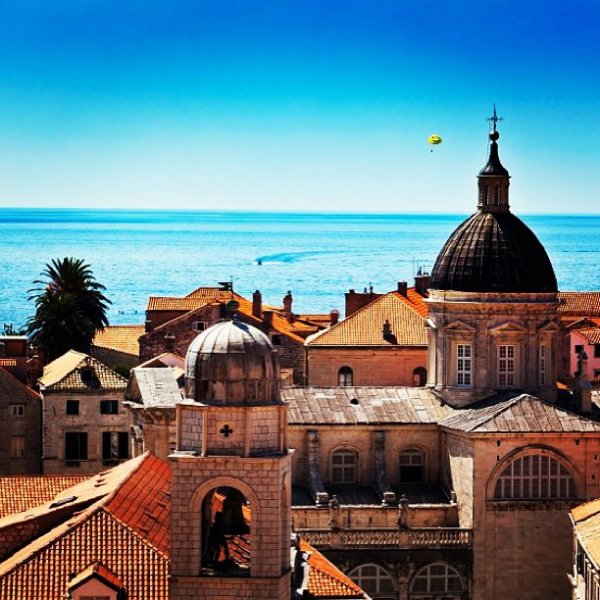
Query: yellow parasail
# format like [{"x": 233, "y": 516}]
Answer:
[{"x": 434, "y": 140}]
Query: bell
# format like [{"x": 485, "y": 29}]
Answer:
[{"x": 234, "y": 522}]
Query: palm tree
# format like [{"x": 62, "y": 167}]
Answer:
[{"x": 70, "y": 308}]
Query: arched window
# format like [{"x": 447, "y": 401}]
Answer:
[
  {"x": 412, "y": 466},
  {"x": 534, "y": 476},
  {"x": 419, "y": 377},
  {"x": 345, "y": 376},
  {"x": 436, "y": 580},
  {"x": 226, "y": 540},
  {"x": 344, "y": 466},
  {"x": 374, "y": 580}
]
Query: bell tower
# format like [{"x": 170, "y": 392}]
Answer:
[{"x": 231, "y": 471}]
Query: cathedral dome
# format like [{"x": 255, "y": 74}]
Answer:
[
  {"x": 493, "y": 250},
  {"x": 232, "y": 363}
]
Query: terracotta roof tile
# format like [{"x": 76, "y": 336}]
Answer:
[
  {"x": 404, "y": 317},
  {"x": 587, "y": 528},
  {"x": 126, "y": 529},
  {"x": 325, "y": 580},
  {"x": 122, "y": 338},
  {"x": 19, "y": 493},
  {"x": 591, "y": 334},
  {"x": 98, "y": 569},
  {"x": 158, "y": 303},
  {"x": 584, "y": 304},
  {"x": 64, "y": 373}
]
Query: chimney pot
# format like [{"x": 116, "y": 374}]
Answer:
[
  {"x": 403, "y": 288},
  {"x": 257, "y": 304},
  {"x": 334, "y": 317}
]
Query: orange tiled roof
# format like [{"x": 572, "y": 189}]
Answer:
[
  {"x": 591, "y": 334},
  {"x": 587, "y": 527},
  {"x": 20, "y": 492},
  {"x": 64, "y": 373},
  {"x": 127, "y": 530},
  {"x": 325, "y": 580},
  {"x": 123, "y": 338},
  {"x": 196, "y": 299},
  {"x": 584, "y": 304},
  {"x": 96, "y": 568},
  {"x": 406, "y": 318}
]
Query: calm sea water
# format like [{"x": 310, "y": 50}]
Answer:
[{"x": 317, "y": 256}]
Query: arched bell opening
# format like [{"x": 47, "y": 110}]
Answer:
[{"x": 225, "y": 531}]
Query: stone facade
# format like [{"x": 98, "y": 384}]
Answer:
[
  {"x": 20, "y": 427},
  {"x": 370, "y": 366},
  {"x": 90, "y": 424},
  {"x": 527, "y": 323}
]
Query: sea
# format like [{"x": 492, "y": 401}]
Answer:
[{"x": 318, "y": 257}]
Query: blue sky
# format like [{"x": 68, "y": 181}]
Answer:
[{"x": 253, "y": 105}]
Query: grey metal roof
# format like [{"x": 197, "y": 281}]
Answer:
[
  {"x": 520, "y": 414},
  {"x": 363, "y": 405},
  {"x": 158, "y": 386}
]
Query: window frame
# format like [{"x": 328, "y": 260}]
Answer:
[
  {"x": 115, "y": 447},
  {"x": 425, "y": 574},
  {"x": 17, "y": 411},
  {"x": 112, "y": 404},
  {"x": 70, "y": 405},
  {"x": 381, "y": 575},
  {"x": 506, "y": 365},
  {"x": 345, "y": 376},
  {"x": 464, "y": 364},
  {"x": 532, "y": 476},
  {"x": 82, "y": 444},
  {"x": 344, "y": 467},
  {"x": 412, "y": 452},
  {"x": 18, "y": 450}
]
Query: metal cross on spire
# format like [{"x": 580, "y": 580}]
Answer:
[{"x": 494, "y": 119}]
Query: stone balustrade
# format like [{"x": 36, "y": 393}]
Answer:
[{"x": 424, "y": 537}]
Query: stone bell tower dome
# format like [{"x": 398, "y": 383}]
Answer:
[
  {"x": 493, "y": 301},
  {"x": 231, "y": 471},
  {"x": 232, "y": 363}
]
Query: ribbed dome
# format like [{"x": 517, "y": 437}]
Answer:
[
  {"x": 493, "y": 252},
  {"x": 232, "y": 363}
]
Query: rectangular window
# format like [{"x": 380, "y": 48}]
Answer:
[
  {"x": 596, "y": 350},
  {"x": 199, "y": 325},
  {"x": 463, "y": 364},
  {"x": 578, "y": 348},
  {"x": 17, "y": 446},
  {"x": 17, "y": 411},
  {"x": 115, "y": 446},
  {"x": 76, "y": 446},
  {"x": 542, "y": 364},
  {"x": 72, "y": 407},
  {"x": 109, "y": 407},
  {"x": 506, "y": 365}
]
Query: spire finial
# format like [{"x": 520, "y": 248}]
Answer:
[{"x": 494, "y": 135}]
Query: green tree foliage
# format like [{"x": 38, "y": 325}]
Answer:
[{"x": 70, "y": 307}]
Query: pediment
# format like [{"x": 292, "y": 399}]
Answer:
[
  {"x": 549, "y": 326},
  {"x": 508, "y": 327},
  {"x": 459, "y": 326}
]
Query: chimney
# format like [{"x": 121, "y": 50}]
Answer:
[
  {"x": 334, "y": 317},
  {"x": 582, "y": 387},
  {"x": 169, "y": 342},
  {"x": 287, "y": 305},
  {"x": 422, "y": 283},
  {"x": 403, "y": 288},
  {"x": 257, "y": 304},
  {"x": 268, "y": 319}
]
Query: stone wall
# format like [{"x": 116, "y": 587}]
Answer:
[
  {"x": 19, "y": 432},
  {"x": 57, "y": 423},
  {"x": 370, "y": 366},
  {"x": 523, "y": 549}
]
